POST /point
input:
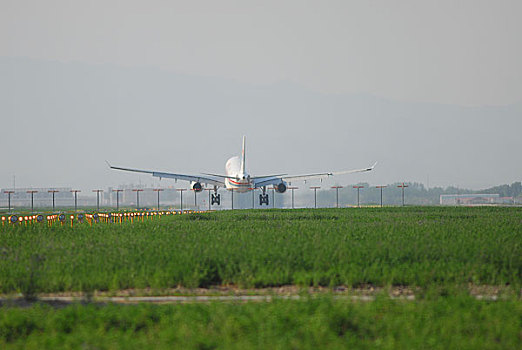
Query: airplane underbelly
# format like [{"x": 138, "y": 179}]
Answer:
[{"x": 237, "y": 186}]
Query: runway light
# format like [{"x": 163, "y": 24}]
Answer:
[
  {"x": 3, "y": 218},
  {"x": 20, "y": 219}
]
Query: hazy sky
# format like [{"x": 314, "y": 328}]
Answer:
[
  {"x": 427, "y": 88},
  {"x": 445, "y": 51}
]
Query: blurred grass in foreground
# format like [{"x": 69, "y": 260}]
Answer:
[{"x": 457, "y": 322}]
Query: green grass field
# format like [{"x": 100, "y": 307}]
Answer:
[
  {"x": 418, "y": 247},
  {"x": 437, "y": 253},
  {"x": 458, "y": 322}
]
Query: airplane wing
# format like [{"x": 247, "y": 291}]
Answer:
[
  {"x": 206, "y": 179},
  {"x": 323, "y": 175},
  {"x": 275, "y": 179},
  {"x": 265, "y": 181}
]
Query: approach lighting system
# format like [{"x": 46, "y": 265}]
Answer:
[
  {"x": 196, "y": 190},
  {"x": 292, "y": 188},
  {"x": 381, "y": 187},
  {"x": 32, "y": 199},
  {"x": 9, "y": 193},
  {"x": 253, "y": 196},
  {"x": 117, "y": 198},
  {"x": 337, "y": 195},
  {"x": 273, "y": 189},
  {"x": 97, "y": 199},
  {"x": 402, "y": 187},
  {"x": 72, "y": 218},
  {"x": 53, "y": 192},
  {"x": 137, "y": 197},
  {"x": 181, "y": 196},
  {"x": 210, "y": 199},
  {"x": 75, "y": 199},
  {"x": 315, "y": 194},
  {"x": 158, "y": 190},
  {"x": 358, "y": 188}
]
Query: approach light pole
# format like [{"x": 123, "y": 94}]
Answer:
[
  {"x": 53, "y": 192},
  {"x": 97, "y": 199},
  {"x": 315, "y": 194},
  {"x": 253, "y": 196},
  {"x": 9, "y": 199},
  {"x": 32, "y": 192},
  {"x": 75, "y": 199},
  {"x": 117, "y": 199},
  {"x": 402, "y": 187},
  {"x": 337, "y": 195},
  {"x": 273, "y": 197},
  {"x": 358, "y": 188},
  {"x": 232, "y": 190},
  {"x": 158, "y": 190},
  {"x": 181, "y": 194},
  {"x": 137, "y": 190},
  {"x": 209, "y": 202},
  {"x": 381, "y": 187},
  {"x": 292, "y": 189},
  {"x": 195, "y": 198}
]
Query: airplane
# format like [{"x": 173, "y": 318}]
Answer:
[{"x": 237, "y": 179}]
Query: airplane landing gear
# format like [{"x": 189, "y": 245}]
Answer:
[
  {"x": 263, "y": 198},
  {"x": 216, "y": 199}
]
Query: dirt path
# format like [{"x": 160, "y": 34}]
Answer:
[{"x": 235, "y": 294}]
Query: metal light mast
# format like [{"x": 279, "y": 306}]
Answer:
[
  {"x": 315, "y": 194},
  {"x": 358, "y": 188}
]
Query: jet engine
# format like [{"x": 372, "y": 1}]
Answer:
[
  {"x": 280, "y": 187},
  {"x": 196, "y": 186}
]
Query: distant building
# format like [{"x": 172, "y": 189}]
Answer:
[{"x": 470, "y": 199}]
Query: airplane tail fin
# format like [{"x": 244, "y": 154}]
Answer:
[{"x": 243, "y": 156}]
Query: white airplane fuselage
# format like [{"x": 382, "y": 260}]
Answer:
[{"x": 238, "y": 179}]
